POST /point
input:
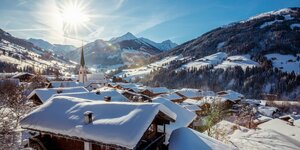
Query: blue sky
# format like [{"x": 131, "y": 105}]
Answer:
[{"x": 178, "y": 20}]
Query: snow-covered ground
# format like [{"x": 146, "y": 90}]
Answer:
[
  {"x": 128, "y": 74},
  {"x": 210, "y": 60},
  {"x": 287, "y": 63},
  {"x": 243, "y": 61},
  {"x": 23, "y": 57}
]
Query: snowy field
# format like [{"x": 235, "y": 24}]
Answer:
[{"x": 286, "y": 63}]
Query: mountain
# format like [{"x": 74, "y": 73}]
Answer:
[
  {"x": 21, "y": 55},
  {"x": 55, "y": 48},
  {"x": 258, "y": 56},
  {"x": 125, "y": 37},
  {"x": 163, "y": 46},
  {"x": 126, "y": 49},
  {"x": 276, "y": 31}
]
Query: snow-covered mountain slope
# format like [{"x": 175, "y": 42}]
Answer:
[
  {"x": 211, "y": 60},
  {"x": 126, "y": 49},
  {"x": 243, "y": 61},
  {"x": 163, "y": 46},
  {"x": 220, "y": 60},
  {"x": 25, "y": 55},
  {"x": 286, "y": 63},
  {"x": 272, "y": 32},
  {"x": 55, "y": 48},
  {"x": 132, "y": 74}
]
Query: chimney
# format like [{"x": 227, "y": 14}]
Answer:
[
  {"x": 107, "y": 98},
  {"x": 88, "y": 117},
  {"x": 98, "y": 92}
]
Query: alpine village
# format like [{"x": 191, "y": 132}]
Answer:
[{"x": 234, "y": 84}]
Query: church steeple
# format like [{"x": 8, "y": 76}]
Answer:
[
  {"x": 82, "y": 63},
  {"x": 82, "y": 77}
]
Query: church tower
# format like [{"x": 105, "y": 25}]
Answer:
[{"x": 82, "y": 72}]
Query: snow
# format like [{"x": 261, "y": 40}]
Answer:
[
  {"x": 282, "y": 127},
  {"x": 45, "y": 93},
  {"x": 263, "y": 140},
  {"x": 261, "y": 119},
  {"x": 157, "y": 90},
  {"x": 127, "y": 36},
  {"x": 220, "y": 45},
  {"x": 189, "y": 93},
  {"x": 286, "y": 63},
  {"x": 269, "y": 23},
  {"x": 111, "y": 92},
  {"x": 184, "y": 117},
  {"x": 295, "y": 25},
  {"x": 163, "y": 46},
  {"x": 190, "y": 107},
  {"x": 267, "y": 110},
  {"x": 116, "y": 97},
  {"x": 243, "y": 61},
  {"x": 210, "y": 60},
  {"x": 196, "y": 102},
  {"x": 57, "y": 84},
  {"x": 115, "y": 123},
  {"x": 171, "y": 96},
  {"x": 278, "y": 12},
  {"x": 231, "y": 95},
  {"x": 189, "y": 139},
  {"x": 129, "y": 74}
]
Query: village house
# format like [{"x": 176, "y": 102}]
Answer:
[
  {"x": 203, "y": 104},
  {"x": 135, "y": 97},
  {"x": 173, "y": 97},
  {"x": 184, "y": 118},
  {"x": 71, "y": 123},
  {"x": 154, "y": 91},
  {"x": 40, "y": 96},
  {"x": 229, "y": 97},
  {"x": 96, "y": 80},
  {"x": 190, "y": 93},
  {"x": 290, "y": 118},
  {"x": 23, "y": 76}
]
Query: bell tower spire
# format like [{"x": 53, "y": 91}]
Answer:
[{"x": 82, "y": 77}]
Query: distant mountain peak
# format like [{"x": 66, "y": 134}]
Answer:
[{"x": 127, "y": 36}]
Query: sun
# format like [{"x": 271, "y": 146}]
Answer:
[{"x": 74, "y": 15}]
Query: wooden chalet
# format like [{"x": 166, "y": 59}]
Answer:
[
  {"x": 93, "y": 125},
  {"x": 154, "y": 91}
]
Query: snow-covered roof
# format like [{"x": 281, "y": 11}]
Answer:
[
  {"x": 204, "y": 100},
  {"x": 267, "y": 110},
  {"x": 184, "y": 117},
  {"x": 171, "y": 96},
  {"x": 84, "y": 95},
  {"x": 291, "y": 116},
  {"x": 190, "y": 93},
  {"x": 111, "y": 92},
  {"x": 133, "y": 86},
  {"x": 57, "y": 84},
  {"x": 230, "y": 95},
  {"x": 282, "y": 127},
  {"x": 190, "y": 107},
  {"x": 96, "y": 78},
  {"x": 189, "y": 139},
  {"x": 45, "y": 93},
  {"x": 262, "y": 139},
  {"x": 22, "y": 74},
  {"x": 116, "y": 123},
  {"x": 261, "y": 119},
  {"x": 157, "y": 90}
]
